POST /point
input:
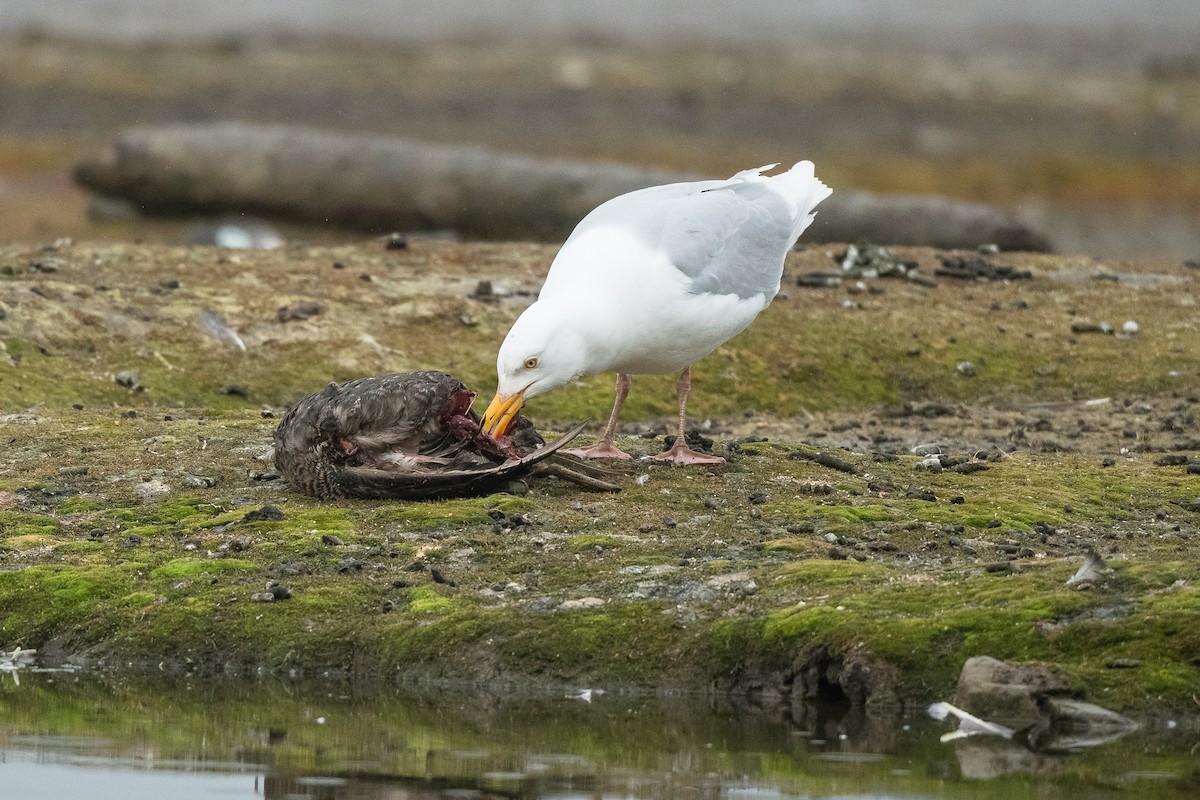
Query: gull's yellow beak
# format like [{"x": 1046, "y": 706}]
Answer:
[{"x": 500, "y": 413}]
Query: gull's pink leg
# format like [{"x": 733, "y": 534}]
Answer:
[
  {"x": 680, "y": 453},
  {"x": 605, "y": 447}
]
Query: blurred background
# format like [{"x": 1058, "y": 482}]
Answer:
[{"x": 1083, "y": 118}]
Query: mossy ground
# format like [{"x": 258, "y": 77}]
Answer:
[{"x": 122, "y": 508}]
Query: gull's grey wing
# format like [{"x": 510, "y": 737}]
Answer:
[{"x": 730, "y": 239}]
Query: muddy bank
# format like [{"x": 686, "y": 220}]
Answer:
[{"x": 916, "y": 469}]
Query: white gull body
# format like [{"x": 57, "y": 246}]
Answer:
[{"x": 651, "y": 282}]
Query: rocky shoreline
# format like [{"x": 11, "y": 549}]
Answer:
[{"x": 885, "y": 513}]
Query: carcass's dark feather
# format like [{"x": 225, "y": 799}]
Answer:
[{"x": 407, "y": 435}]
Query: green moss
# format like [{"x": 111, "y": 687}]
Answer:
[
  {"x": 191, "y": 568},
  {"x": 137, "y": 599},
  {"x": 593, "y": 541},
  {"x": 78, "y": 505},
  {"x": 424, "y": 600},
  {"x": 15, "y": 525},
  {"x": 468, "y": 511}
]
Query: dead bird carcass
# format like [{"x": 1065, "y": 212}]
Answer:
[{"x": 411, "y": 435}]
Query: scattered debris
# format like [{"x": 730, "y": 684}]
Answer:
[
  {"x": 1088, "y": 574},
  {"x": 239, "y": 234},
  {"x": 1092, "y": 327},
  {"x": 968, "y": 724},
  {"x": 128, "y": 379},
  {"x": 15, "y": 661},
  {"x": 215, "y": 326},
  {"x": 300, "y": 310},
  {"x": 977, "y": 267},
  {"x": 825, "y": 460}
]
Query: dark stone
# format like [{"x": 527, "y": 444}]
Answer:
[
  {"x": 438, "y": 577},
  {"x": 825, "y": 460},
  {"x": 695, "y": 440},
  {"x": 957, "y": 500},
  {"x": 237, "y": 544},
  {"x": 267, "y": 513},
  {"x": 301, "y": 310},
  {"x": 280, "y": 591},
  {"x": 349, "y": 565},
  {"x": 331, "y": 540},
  {"x": 819, "y": 280}
]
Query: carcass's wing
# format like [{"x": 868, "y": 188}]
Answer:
[{"x": 433, "y": 483}]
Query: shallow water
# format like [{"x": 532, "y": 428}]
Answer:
[{"x": 66, "y": 735}]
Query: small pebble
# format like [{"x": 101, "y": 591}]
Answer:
[
  {"x": 1122, "y": 663},
  {"x": 151, "y": 490},
  {"x": 1130, "y": 328},
  {"x": 966, "y": 369},
  {"x": 262, "y": 597},
  {"x": 331, "y": 540},
  {"x": 199, "y": 482}
]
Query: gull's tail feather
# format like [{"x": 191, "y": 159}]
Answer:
[{"x": 803, "y": 190}]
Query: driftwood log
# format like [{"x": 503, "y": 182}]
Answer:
[{"x": 392, "y": 184}]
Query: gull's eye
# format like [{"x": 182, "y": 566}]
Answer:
[{"x": 531, "y": 362}]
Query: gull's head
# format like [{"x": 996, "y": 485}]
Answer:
[{"x": 543, "y": 351}]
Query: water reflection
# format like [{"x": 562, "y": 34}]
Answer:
[{"x": 72, "y": 735}]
